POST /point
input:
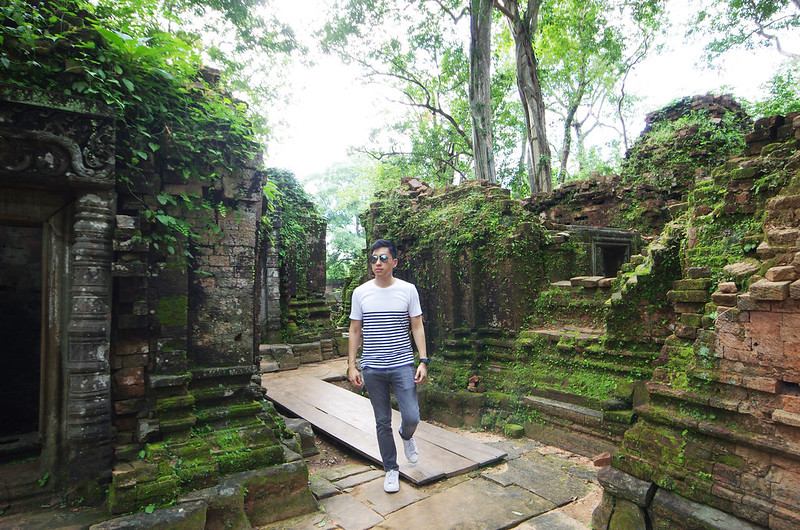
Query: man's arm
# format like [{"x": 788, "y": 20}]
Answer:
[
  {"x": 418, "y": 332},
  {"x": 353, "y": 343}
]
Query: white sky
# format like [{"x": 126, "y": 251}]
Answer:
[{"x": 332, "y": 111}]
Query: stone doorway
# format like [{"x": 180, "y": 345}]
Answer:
[
  {"x": 611, "y": 258},
  {"x": 35, "y": 238},
  {"x": 20, "y": 330},
  {"x": 56, "y": 215}
]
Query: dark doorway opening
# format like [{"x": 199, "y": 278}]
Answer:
[
  {"x": 611, "y": 259},
  {"x": 20, "y": 331}
]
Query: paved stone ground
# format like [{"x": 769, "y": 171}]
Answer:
[{"x": 536, "y": 487}]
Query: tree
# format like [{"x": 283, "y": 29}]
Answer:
[
  {"x": 416, "y": 49},
  {"x": 586, "y": 50},
  {"x": 480, "y": 104},
  {"x": 748, "y": 24},
  {"x": 523, "y": 26}
]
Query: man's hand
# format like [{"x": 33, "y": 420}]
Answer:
[
  {"x": 354, "y": 376},
  {"x": 422, "y": 373}
]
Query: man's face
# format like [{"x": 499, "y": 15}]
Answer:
[{"x": 384, "y": 264}]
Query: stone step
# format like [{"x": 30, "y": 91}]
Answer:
[
  {"x": 783, "y": 236},
  {"x": 570, "y": 411},
  {"x": 766, "y": 251},
  {"x": 569, "y": 335}
]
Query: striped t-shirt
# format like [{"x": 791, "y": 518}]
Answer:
[{"x": 385, "y": 314}]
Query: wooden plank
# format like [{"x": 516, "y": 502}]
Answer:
[
  {"x": 364, "y": 443},
  {"x": 477, "y": 452},
  {"x": 359, "y": 414},
  {"x": 348, "y": 417}
]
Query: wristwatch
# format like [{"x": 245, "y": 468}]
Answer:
[{"x": 425, "y": 360}]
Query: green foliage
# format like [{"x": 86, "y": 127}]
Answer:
[
  {"x": 783, "y": 91},
  {"x": 342, "y": 193},
  {"x": 584, "y": 56},
  {"x": 173, "y": 117},
  {"x": 668, "y": 155}
]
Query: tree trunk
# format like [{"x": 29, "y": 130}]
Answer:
[
  {"x": 568, "y": 123},
  {"x": 530, "y": 91},
  {"x": 480, "y": 99},
  {"x": 567, "y": 144}
]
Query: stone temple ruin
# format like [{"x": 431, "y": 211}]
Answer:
[
  {"x": 131, "y": 370},
  {"x": 651, "y": 315}
]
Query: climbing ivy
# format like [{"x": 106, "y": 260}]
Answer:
[{"x": 175, "y": 121}]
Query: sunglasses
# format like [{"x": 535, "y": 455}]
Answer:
[{"x": 383, "y": 257}]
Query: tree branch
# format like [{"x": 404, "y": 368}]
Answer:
[
  {"x": 761, "y": 30},
  {"x": 452, "y": 15}
]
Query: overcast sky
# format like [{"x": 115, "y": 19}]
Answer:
[{"x": 331, "y": 110}]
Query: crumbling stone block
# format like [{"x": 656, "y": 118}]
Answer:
[
  {"x": 768, "y": 290},
  {"x": 782, "y": 273},
  {"x": 625, "y": 486}
]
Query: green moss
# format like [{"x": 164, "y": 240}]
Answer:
[
  {"x": 176, "y": 402},
  {"x": 172, "y": 311}
]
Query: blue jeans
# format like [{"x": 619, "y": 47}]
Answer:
[{"x": 401, "y": 381}]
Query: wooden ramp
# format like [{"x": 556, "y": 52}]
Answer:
[{"x": 348, "y": 418}]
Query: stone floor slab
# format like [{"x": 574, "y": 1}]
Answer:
[
  {"x": 554, "y": 520},
  {"x": 360, "y": 478},
  {"x": 477, "y": 503},
  {"x": 515, "y": 448},
  {"x": 321, "y": 487},
  {"x": 350, "y": 514},
  {"x": 540, "y": 477},
  {"x": 319, "y": 520},
  {"x": 337, "y": 473},
  {"x": 372, "y": 495}
]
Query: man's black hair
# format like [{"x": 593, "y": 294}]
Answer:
[{"x": 384, "y": 243}]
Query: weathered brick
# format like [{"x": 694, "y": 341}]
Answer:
[
  {"x": 724, "y": 299},
  {"x": 692, "y": 284},
  {"x": 727, "y": 287},
  {"x": 685, "y": 332},
  {"x": 689, "y": 296},
  {"x": 780, "y": 274},
  {"x": 791, "y": 404},
  {"x": 691, "y": 319},
  {"x": 790, "y": 328},
  {"x": 698, "y": 272},
  {"x": 741, "y": 270},
  {"x": 767, "y": 290},
  {"x": 761, "y": 384},
  {"x": 785, "y": 417}
]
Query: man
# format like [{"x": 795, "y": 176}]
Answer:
[{"x": 382, "y": 311}]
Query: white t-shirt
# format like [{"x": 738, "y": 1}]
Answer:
[{"x": 385, "y": 314}]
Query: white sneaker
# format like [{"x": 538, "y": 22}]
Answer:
[
  {"x": 410, "y": 447},
  {"x": 391, "y": 484}
]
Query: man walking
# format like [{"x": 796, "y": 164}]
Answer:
[{"x": 382, "y": 311}]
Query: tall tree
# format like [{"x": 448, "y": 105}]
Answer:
[
  {"x": 417, "y": 49},
  {"x": 523, "y": 26},
  {"x": 585, "y": 49},
  {"x": 480, "y": 101}
]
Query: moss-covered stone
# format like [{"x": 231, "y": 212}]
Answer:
[{"x": 172, "y": 311}]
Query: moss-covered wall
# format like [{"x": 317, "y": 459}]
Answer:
[
  {"x": 476, "y": 257},
  {"x": 721, "y": 426},
  {"x": 178, "y": 372}
]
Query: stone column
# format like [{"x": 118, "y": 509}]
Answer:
[{"x": 88, "y": 418}]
